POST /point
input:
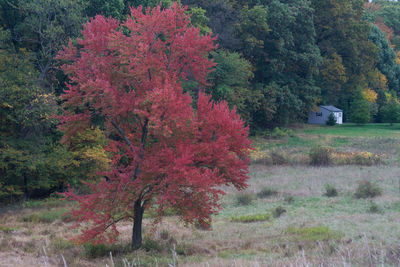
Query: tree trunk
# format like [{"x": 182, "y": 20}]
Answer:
[{"x": 137, "y": 225}]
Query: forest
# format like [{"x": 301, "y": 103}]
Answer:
[{"x": 276, "y": 60}]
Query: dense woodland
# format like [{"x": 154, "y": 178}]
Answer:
[{"x": 276, "y": 61}]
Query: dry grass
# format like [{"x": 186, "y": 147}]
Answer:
[{"x": 339, "y": 231}]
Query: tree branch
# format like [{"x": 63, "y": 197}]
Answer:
[{"x": 122, "y": 132}]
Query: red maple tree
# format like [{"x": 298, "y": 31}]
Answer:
[{"x": 168, "y": 150}]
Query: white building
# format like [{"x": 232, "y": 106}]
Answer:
[{"x": 322, "y": 114}]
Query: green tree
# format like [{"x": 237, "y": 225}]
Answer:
[
  {"x": 391, "y": 112},
  {"x": 359, "y": 109},
  {"x": 107, "y": 8},
  {"x": 43, "y": 27},
  {"x": 331, "y": 120},
  {"x": 386, "y": 58},
  {"x": 342, "y": 37},
  {"x": 231, "y": 82}
]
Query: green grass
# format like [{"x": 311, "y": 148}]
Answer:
[
  {"x": 6, "y": 229},
  {"x": 45, "y": 216},
  {"x": 354, "y": 130},
  {"x": 251, "y": 218},
  {"x": 316, "y": 233}
]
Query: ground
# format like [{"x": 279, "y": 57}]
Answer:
[{"x": 284, "y": 218}]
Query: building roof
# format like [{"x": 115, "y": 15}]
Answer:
[{"x": 331, "y": 108}]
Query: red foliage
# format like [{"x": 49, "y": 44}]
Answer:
[
  {"x": 389, "y": 32},
  {"x": 165, "y": 153}
]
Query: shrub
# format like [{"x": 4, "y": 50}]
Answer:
[
  {"x": 374, "y": 208},
  {"x": 101, "y": 250},
  {"x": 152, "y": 245},
  {"x": 330, "y": 191},
  {"x": 251, "y": 218},
  {"x": 278, "y": 211},
  {"x": 279, "y": 158},
  {"x": 260, "y": 156},
  {"x": 185, "y": 249},
  {"x": 95, "y": 251},
  {"x": 164, "y": 234},
  {"x": 289, "y": 199},
  {"x": 280, "y": 133},
  {"x": 367, "y": 189},
  {"x": 244, "y": 199},
  {"x": 321, "y": 155},
  {"x": 267, "y": 192},
  {"x": 358, "y": 158},
  {"x": 331, "y": 120}
]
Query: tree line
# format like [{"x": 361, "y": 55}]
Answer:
[{"x": 276, "y": 61}]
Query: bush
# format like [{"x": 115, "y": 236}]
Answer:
[
  {"x": 330, "y": 191},
  {"x": 374, "y": 208},
  {"x": 279, "y": 158},
  {"x": 95, "y": 251},
  {"x": 331, "y": 120},
  {"x": 164, "y": 234},
  {"x": 278, "y": 211},
  {"x": 280, "y": 133},
  {"x": 267, "y": 192},
  {"x": 321, "y": 155},
  {"x": 102, "y": 250},
  {"x": 367, "y": 189},
  {"x": 185, "y": 249},
  {"x": 289, "y": 199},
  {"x": 152, "y": 245},
  {"x": 251, "y": 218},
  {"x": 244, "y": 199}
]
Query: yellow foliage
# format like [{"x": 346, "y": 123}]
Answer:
[
  {"x": 358, "y": 158},
  {"x": 370, "y": 95},
  {"x": 88, "y": 150}
]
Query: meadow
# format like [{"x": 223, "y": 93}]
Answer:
[{"x": 294, "y": 213}]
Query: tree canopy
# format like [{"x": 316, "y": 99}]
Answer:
[{"x": 167, "y": 149}]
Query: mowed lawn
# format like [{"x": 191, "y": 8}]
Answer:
[
  {"x": 355, "y": 130},
  {"x": 284, "y": 218}
]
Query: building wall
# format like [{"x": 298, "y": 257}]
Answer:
[
  {"x": 339, "y": 117},
  {"x": 321, "y": 116}
]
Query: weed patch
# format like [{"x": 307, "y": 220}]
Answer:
[
  {"x": 267, "y": 192},
  {"x": 330, "y": 191},
  {"x": 374, "y": 208},
  {"x": 102, "y": 250},
  {"x": 251, "y": 218},
  {"x": 317, "y": 233},
  {"x": 47, "y": 216},
  {"x": 367, "y": 189},
  {"x": 321, "y": 155},
  {"x": 244, "y": 199},
  {"x": 6, "y": 229},
  {"x": 278, "y": 211}
]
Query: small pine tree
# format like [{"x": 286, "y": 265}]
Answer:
[{"x": 331, "y": 120}]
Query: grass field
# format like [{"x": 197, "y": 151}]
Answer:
[{"x": 284, "y": 218}]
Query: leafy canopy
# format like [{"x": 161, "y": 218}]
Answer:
[{"x": 127, "y": 78}]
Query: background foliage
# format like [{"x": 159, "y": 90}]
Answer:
[{"x": 277, "y": 60}]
